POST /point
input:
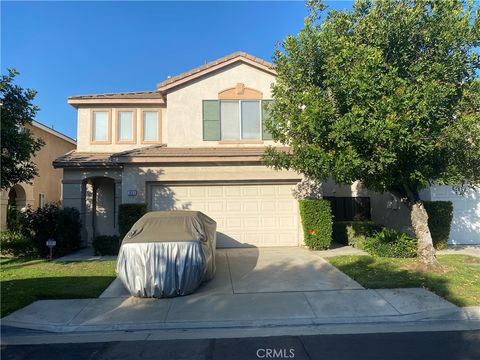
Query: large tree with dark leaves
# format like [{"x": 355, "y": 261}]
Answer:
[
  {"x": 18, "y": 145},
  {"x": 387, "y": 93}
]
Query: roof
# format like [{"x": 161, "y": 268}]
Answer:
[
  {"x": 164, "y": 155},
  {"x": 158, "y": 96},
  {"x": 53, "y": 132},
  {"x": 122, "y": 95},
  {"x": 215, "y": 65},
  {"x": 80, "y": 159},
  {"x": 139, "y": 97}
]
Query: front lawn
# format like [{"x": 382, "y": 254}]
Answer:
[
  {"x": 459, "y": 284},
  {"x": 24, "y": 281}
]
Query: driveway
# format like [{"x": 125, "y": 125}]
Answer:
[
  {"x": 253, "y": 287},
  {"x": 266, "y": 270}
]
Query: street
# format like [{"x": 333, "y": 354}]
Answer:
[{"x": 462, "y": 345}]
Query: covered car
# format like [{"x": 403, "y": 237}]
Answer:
[{"x": 167, "y": 254}]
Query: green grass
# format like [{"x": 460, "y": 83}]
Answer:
[
  {"x": 23, "y": 281},
  {"x": 459, "y": 284}
]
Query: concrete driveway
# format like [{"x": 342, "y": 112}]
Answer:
[
  {"x": 266, "y": 270},
  {"x": 253, "y": 287}
]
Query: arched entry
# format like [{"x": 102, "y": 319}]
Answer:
[
  {"x": 101, "y": 204},
  {"x": 17, "y": 201}
]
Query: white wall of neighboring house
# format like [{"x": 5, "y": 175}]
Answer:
[{"x": 465, "y": 228}]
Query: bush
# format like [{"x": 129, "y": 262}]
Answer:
[
  {"x": 61, "y": 224},
  {"x": 14, "y": 243},
  {"x": 128, "y": 214},
  {"x": 440, "y": 215},
  {"x": 390, "y": 243},
  {"x": 317, "y": 223},
  {"x": 353, "y": 232},
  {"x": 106, "y": 245}
]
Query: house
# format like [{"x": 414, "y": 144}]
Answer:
[
  {"x": 196, "y": 143},
  {"x": 47, "y": 186},
  {"x": 193, "y": 143}
]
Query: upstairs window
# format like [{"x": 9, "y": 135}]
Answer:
[
  {"x": 241, "y": 119},
  {"x": 151, "y": 127},
  {"x": 126, "y": 126},
  {"x": 100, "y": 132}
]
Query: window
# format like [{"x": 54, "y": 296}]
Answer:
[
  {"x": 350, "y": 208},
  {"x": 150, "y": 127},
  {"x": 126, "y": 125},
  {"x": 241, "y": 119},
  {"x": 41, "y": 200},
  {"x": 100, "y": 126}
]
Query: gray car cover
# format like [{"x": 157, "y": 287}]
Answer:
[{"x": 168, "y": 253}]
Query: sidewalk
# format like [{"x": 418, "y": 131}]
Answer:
[{"x": 256, "y": 292}]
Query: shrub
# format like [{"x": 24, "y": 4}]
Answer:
[
  {"x": 14, "y": 243},
  {"x": 440, "y": 215},
  {"x": 391, "y": 243},
  {"x": 128, "y": 214},
  {"x": 106, "y": 245},
  {"x": 317, "y": 223},
  {"x": 353, "y": 232},
  {"x": 52, "y": 221}
]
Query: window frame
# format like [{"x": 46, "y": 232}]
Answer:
[
  {"x": 159, "y": 126},
  {"x": 109, "y": 126},
  {"x": 41, "y": 200},
  {"x": 134, "y": 126},
  {"x": 241, "y": 139}
]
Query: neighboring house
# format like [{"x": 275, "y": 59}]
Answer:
[
  {"x": 47, "y": 186},
  {"x": 196, "y": 143}
]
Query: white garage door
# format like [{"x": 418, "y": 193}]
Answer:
[{"x": 247, "y": 214}]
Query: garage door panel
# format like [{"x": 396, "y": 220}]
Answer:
[{"x": 246, "y": 215}]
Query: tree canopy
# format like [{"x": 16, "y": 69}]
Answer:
[
  {"x": 18, "y": 145},
  {"x": 387, "y": 93}
]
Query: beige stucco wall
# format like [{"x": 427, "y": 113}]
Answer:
[
  {"x": 84, "y": 128},
  {"x": 385, "y": 208},
  {"x": 137, "y": 178},
  {"x": 181, "y": 119},
  {"x": 49, "y": 180},
  {"x": 184, "y": 104}
]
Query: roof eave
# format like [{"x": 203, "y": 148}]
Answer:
[{"x": 182, "y": 79}]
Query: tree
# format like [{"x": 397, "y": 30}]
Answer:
[
  {"x": 388, "y": 94},
  {"x": 17, "y": 143}
]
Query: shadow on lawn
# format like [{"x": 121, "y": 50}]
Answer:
[
  {"x": 19, "y": 293},
  {"x": 373, "y": 273}
]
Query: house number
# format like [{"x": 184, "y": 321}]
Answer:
[{"x": 132, "y": 193}]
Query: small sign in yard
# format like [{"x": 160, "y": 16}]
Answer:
[{"x": 51, "y": 244}]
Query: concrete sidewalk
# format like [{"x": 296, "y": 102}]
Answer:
[{"x": 263, "y": 289}]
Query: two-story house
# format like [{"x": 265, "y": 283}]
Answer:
[
  {"x": 47, "y": 185},
  {"x": 194, "y": 143}
]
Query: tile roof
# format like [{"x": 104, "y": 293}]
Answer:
[
  {"x": 213, "y": 65},
  {"x": 123, "y": 95},
  {"x": 163, "y": 154}
]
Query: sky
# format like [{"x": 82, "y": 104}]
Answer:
[{"x": 73, "y": 48}]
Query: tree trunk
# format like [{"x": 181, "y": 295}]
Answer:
[
  {"x": 425, "y": 249},
  {"x": 419, "y": 219}
]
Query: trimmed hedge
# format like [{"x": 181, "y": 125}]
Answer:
[
  {"x": 128, "y": 214},
  {"x": 317, "y": 223},
  {"x": 14, "y": 243},
  {"x": 352, "y": 232},
  {"x": 106, "y": 245},
  {"x": 390, "y": 243},
  {"x": 440, "y": 215}
]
